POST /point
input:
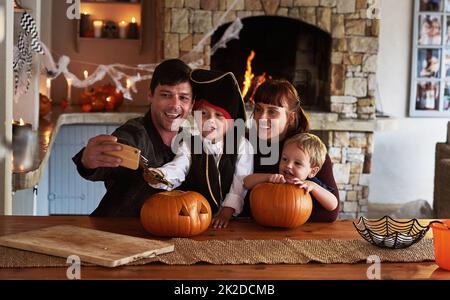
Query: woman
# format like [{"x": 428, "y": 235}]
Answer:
[{"x": 278, "y": 115}]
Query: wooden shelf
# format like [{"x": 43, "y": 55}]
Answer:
[
  {"x": 107, "y": 39},
  {"x": 21, "y": 10},
  {"x": 112, "y": 2},
  {"x": 115, "y": 11}
]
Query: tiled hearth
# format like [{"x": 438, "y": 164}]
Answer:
[{"x": 346, "y": 125}]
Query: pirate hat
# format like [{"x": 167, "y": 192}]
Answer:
[{"x": 220, "y": 91}]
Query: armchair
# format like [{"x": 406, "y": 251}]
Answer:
[{"x": 441, "y": 202}]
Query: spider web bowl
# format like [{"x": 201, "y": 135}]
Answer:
[{"x": 390, "y": 233}]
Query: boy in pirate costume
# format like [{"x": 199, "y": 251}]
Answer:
[{"x": 214, "y": 169}]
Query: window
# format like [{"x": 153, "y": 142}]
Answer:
[{"x": 430, "y": 87}]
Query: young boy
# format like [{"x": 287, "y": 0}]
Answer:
[
  {"x": 215, "y": 171},
  {"x": 301, "y": 159}
]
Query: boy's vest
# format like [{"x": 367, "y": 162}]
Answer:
[{"x": 212, "y": 180}]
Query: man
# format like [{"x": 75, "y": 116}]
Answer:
[{"x": 170, "y": 103}]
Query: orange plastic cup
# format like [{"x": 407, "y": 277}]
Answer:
[{"x": 441, "y": 236}]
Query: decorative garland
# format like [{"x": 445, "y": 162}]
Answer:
[
  {"x": 130, "y": 75},
  {"x": 28, "y": 42}
]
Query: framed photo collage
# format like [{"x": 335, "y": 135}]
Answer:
[{"x": 430, "y": 84}]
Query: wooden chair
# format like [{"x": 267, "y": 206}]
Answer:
[{"x": 441, "y": 202}]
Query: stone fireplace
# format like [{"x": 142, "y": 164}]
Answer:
[
  {"x": 332, "y": 60},
  {"x": 301, "y": 54}
]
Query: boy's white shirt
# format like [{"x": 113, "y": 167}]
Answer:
[{"x": 176, "y": 171}]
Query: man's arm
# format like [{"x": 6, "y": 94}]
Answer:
[
  {"x": 91, "y": 163},
  {"x": 93, "y": 155}
]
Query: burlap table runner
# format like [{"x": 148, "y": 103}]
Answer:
[{"x": 220, "y": 252}]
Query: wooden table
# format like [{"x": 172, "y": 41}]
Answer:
[{"x": 241, "y": 229}]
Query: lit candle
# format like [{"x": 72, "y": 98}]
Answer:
[
  {"x": 128, "y": 83},
  {"x": 69, "y": 90},
  {"x": 109, "y": 104},
  {"x": 123, "y": 30},
  {"x": 98, "y": 25},
  {"x": 49, "y": 87},
  {"x": 86, "y": 75},
  {"x": 133, "y": 31}
]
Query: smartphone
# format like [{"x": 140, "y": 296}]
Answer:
[{"x": 129, "y": 155}]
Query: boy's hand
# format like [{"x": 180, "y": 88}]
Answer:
[
  {"x": 149, "y": 178},
  {"x": 223, "y": 218},
  {"x": 277, "y": 178},
  {"x": 307, "y": 185},
  {"x": 294, "y": 180}
]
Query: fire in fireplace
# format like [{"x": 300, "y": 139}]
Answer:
[
  {"x": 251, "y": 82},
  {"x": 282, "y": 48}
]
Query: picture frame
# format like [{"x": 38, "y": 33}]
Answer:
[
  {"x": 429, "y": 63},
  {"x": 446, "y": 96},
  {"x": 430, "y": 5},
  {"x": 430, "y": 71},
  {"x": 430, "y": 29},
  {"x": 428, "y": 96}
]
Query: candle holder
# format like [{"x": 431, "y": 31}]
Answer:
[
  {"x": 24, "y": 144},
  {"x": 133, "y": 30},
  {"x": 85, "y": 24}
]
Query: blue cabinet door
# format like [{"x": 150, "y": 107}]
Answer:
[{"x": 69, "y": 193}]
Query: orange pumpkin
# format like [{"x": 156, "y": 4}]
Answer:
[
  {"x": 176, "y": 214},
  {"x": 117, "y": 99},
  {"x": 98, "y": 104},
  {"x": 86, "y": 107},
  {"x": 96, "y": 98},
  {"x": 45, "y": 105},
  {"x": 280, "y": 205},
  {"x": 86, "y": 97}
]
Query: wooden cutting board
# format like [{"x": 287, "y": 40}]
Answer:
[{"x": 92, "y": 246}]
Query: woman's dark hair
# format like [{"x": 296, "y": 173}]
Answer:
[
  {"x": 282, "y": 93},
  {"x": 170, "y": 72}
]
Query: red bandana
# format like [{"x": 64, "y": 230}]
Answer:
[{"x": 202, "y": 102}]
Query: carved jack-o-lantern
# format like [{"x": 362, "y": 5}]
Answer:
[
  {"x": 176, "y": 214},
  {"x": 280, "y": 205},
  {"x": 110, "y": 30}
]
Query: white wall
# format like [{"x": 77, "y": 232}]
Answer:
[
  {"x": 27, "y": 106},
  {"x": 403, "y": 160}
]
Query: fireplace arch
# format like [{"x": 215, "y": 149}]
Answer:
[{"x": 285, "y": 48}]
